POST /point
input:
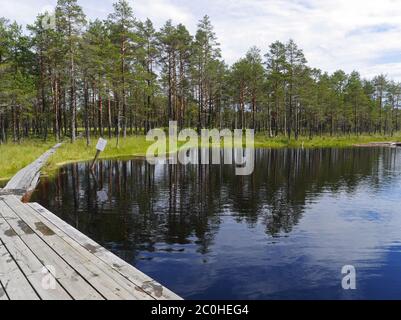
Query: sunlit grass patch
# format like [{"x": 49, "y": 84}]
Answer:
[{"x": 14, "y": 157}]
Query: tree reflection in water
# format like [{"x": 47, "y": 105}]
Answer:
[{"x": 132, "y": 208}]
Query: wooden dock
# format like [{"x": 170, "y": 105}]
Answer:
[
  {"x": 26, "y": 180},
  {"x": 44, "y": 258}
]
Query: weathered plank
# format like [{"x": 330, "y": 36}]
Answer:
[
  {"x": 3, "y": 294},
  {"x": 129, "y": 272},
  {"x": 71, "y": 280},
  {"x": 13, "y": 280},
  {"x": 29, "y": 264},
  {"x": 101, "y": 276},
  {"x": 27, "y": 178}
]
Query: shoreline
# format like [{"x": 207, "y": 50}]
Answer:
[{"x": 135, "y": 147}]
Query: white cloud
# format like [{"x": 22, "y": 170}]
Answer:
[
  {"x": 159, "y": 11},
  {"x": 358, "y": 35},
  {"x": 330, "y": 32}
]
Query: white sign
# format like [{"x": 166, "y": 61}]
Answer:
[
  {"x": 101, "y": 145},
  {"x": 102, "y": 196}
]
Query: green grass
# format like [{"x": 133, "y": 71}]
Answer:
[
  {"x": 132, "y": 146},
  {"x": 79, "y": 151},
  {"x": 14, "y": 157},
  {"x": 261, "y": 141}
]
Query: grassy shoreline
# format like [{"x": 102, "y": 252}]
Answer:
[
  {"x": 14, "y": 157},
  {"x": 323, "y": 141}
]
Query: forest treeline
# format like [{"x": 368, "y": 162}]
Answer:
[{"x": 121, "y": 76}]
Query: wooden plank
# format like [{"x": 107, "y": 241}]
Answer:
[
  {"x": 29, "y": 264},
  {"x": 3, "y": 294},
  {"x": 5, "y": 212},
  {"x": 134, "y": 275},
  {"x": 107, "y": 281},
  {"x": 27, "y": 178},
  {"x": 135, "y": 292},
  {"x": 82, "y": 266},
  {"x": 13, "y": 281},
  {"x": 71, "y": 280}
]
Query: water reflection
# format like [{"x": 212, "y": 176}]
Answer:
[{"x": 283, "y": 232}]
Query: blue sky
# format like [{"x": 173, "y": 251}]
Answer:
[{"x": 363, "y": 35}]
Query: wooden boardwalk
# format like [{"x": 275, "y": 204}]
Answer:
[
  {"x": 44, "y": 258},
  {"x": 26, "y": 180}
]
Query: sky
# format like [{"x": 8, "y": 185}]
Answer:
[{"x": 362, "y": 35}]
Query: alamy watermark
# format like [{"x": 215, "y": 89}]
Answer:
[
  {"x": 49, "y": 281},
  {"x": 48, "y": 20},
  {"x": 211, "y": 147},
  {"x": 349, "y": 279}
]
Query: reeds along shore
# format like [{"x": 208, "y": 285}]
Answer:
[{"x": 14, "y": 157}]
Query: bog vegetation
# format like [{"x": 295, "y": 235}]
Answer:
[{"x": 120, "y": 77}]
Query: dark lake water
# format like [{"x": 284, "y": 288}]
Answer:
[{"x": 284, "y": 232}]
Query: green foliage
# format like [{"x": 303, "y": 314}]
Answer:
[{"x": 120, "y": 76}]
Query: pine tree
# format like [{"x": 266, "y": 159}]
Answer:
[
  {"x": 70, "y": 21},
  {"x": 121, "y": 24}
]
